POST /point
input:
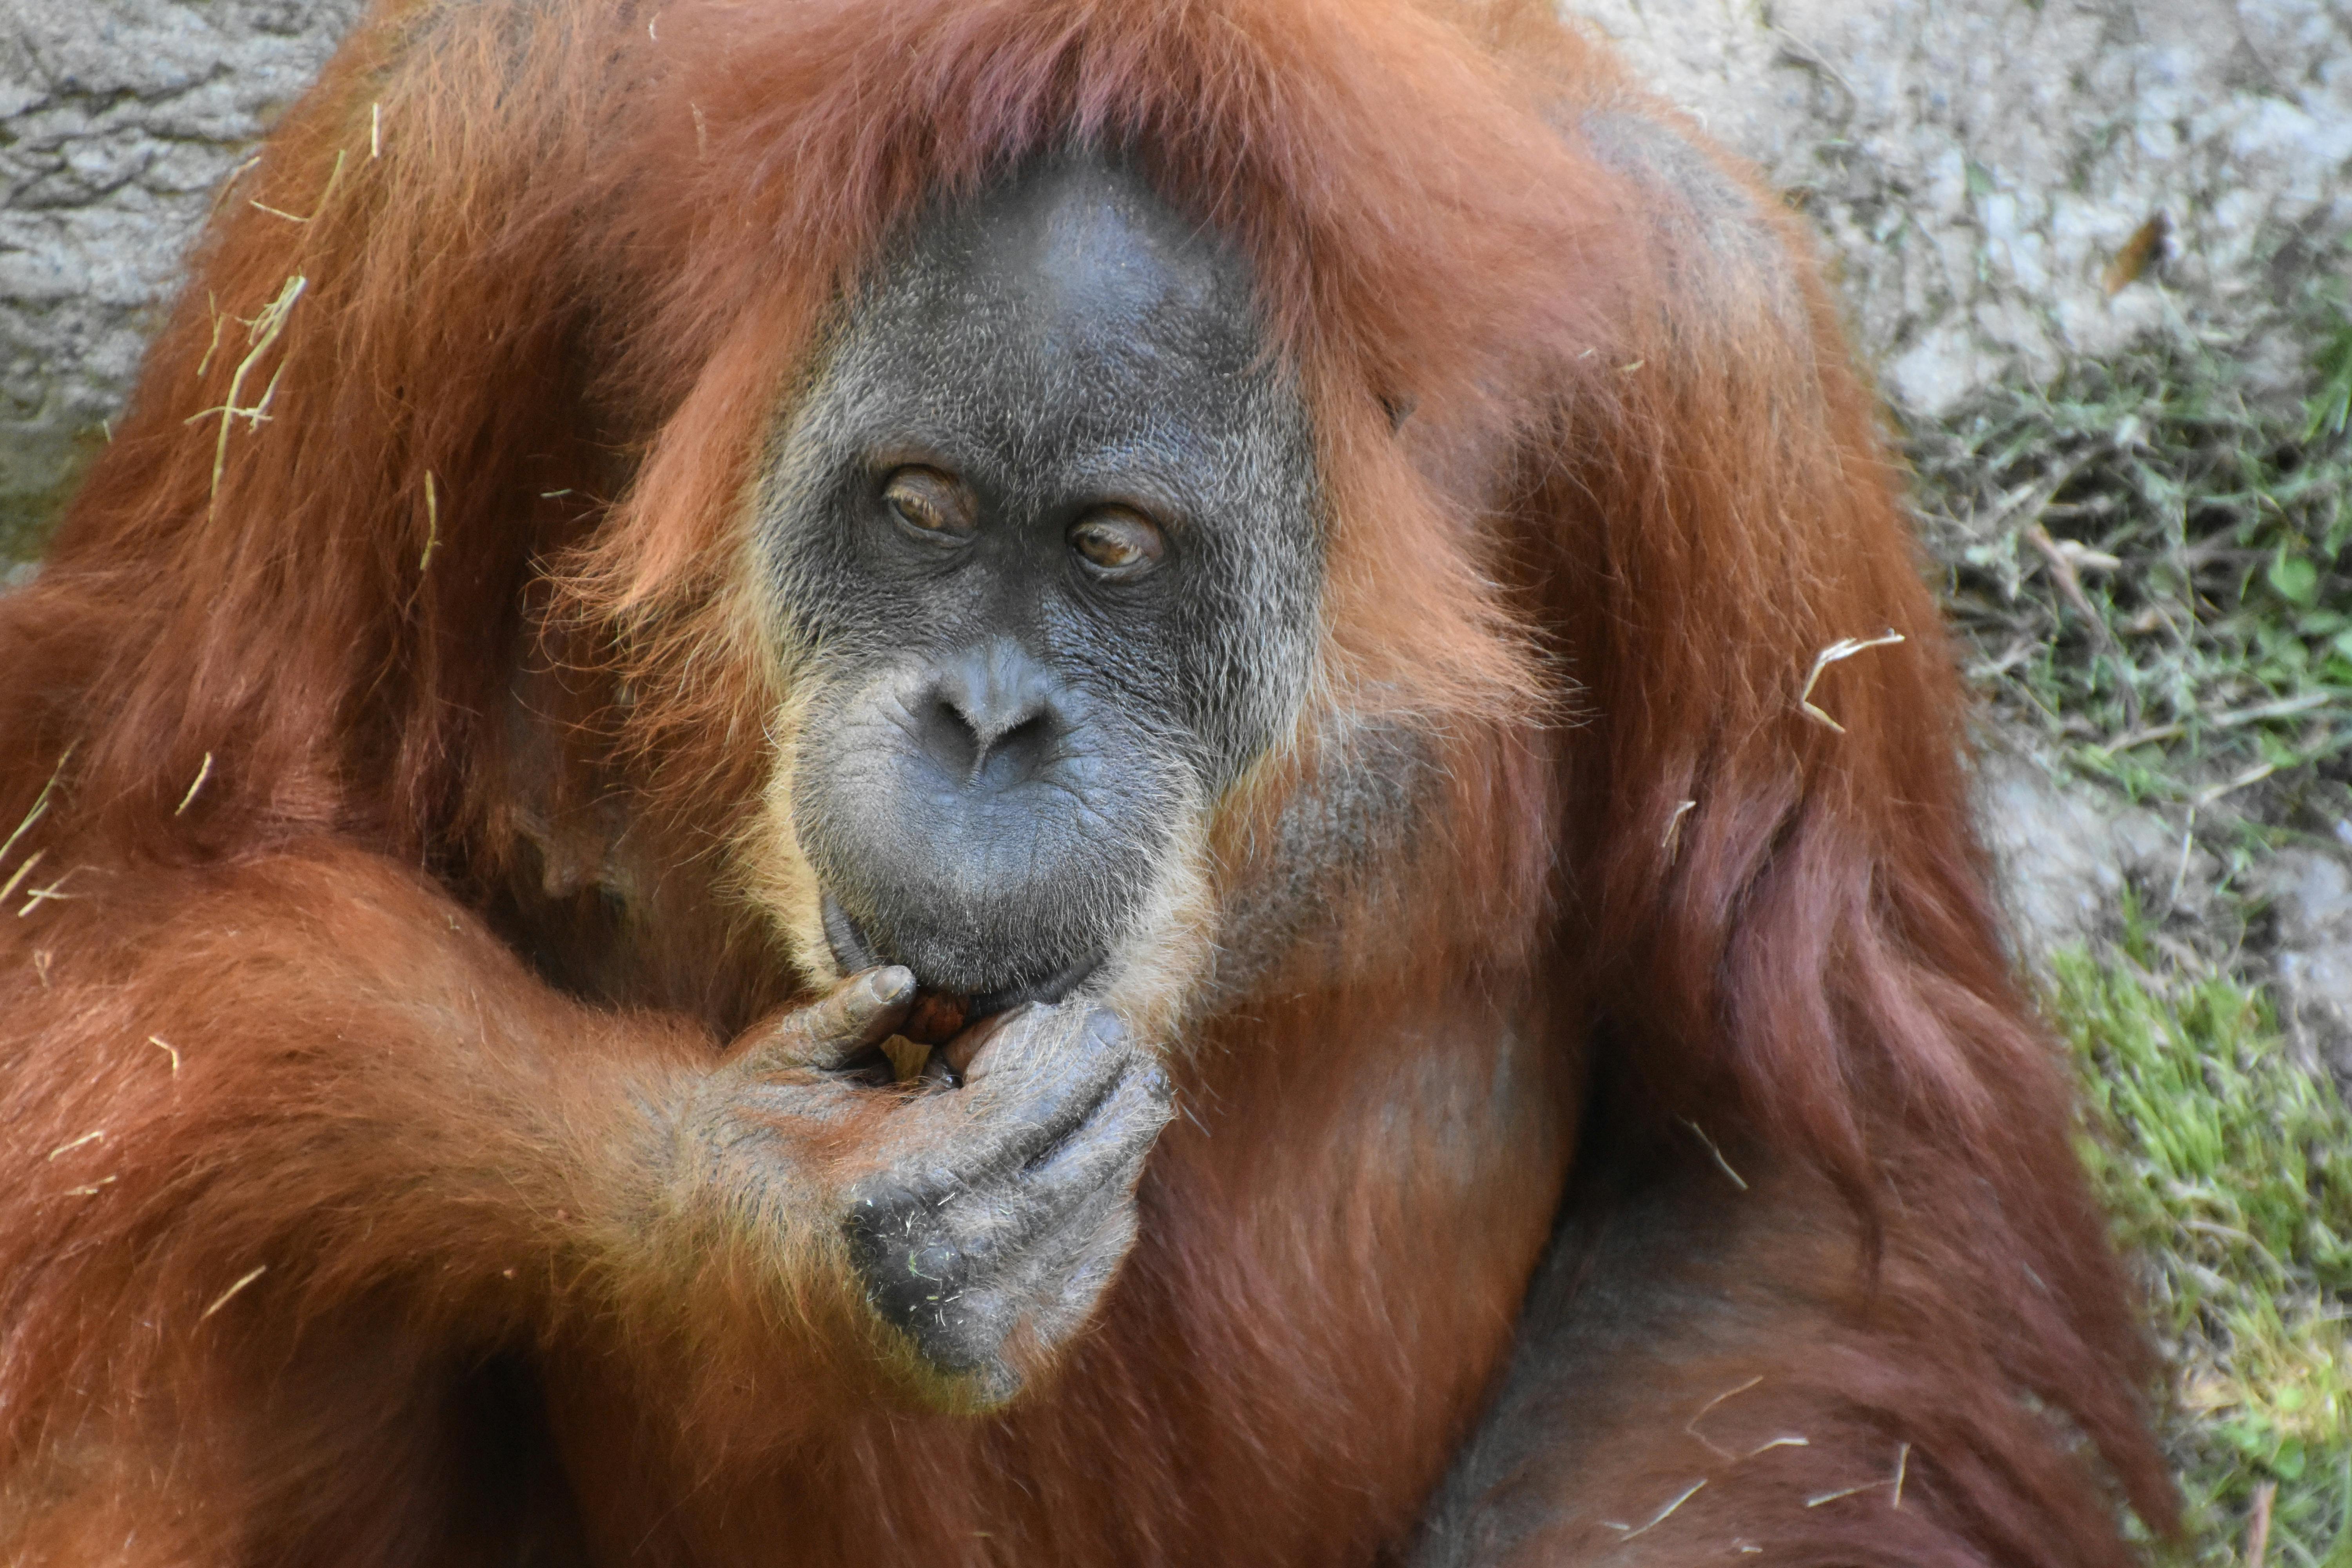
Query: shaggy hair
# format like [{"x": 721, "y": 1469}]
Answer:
[{"x": 469, "y": 394}]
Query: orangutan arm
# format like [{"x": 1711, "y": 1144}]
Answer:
[{"x": 306, "y": 1105}]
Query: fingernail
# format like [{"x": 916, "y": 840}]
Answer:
[{"x": 890, "y": 986}]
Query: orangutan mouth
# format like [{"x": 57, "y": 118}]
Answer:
[{"x": 939, "y": 1014}]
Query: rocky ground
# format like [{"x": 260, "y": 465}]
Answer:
[{"x": 2099, "y": 254}]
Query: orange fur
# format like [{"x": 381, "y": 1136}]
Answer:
[{"x": 1638, "y": 492}]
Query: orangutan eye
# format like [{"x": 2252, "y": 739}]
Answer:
[
  {"x": 1118, "y": 542},
  {"x": 931, "y": 503}
]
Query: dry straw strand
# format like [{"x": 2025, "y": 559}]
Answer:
[
  {"x": 224, "y": 1299},
  {"x": 1844, "y": 648},
  {"x": 261, "y": 333},
  {"x": 432, "y": 522},
  {"x": 204, "y": 772},
  {"x": 1628, "y": 1532}
]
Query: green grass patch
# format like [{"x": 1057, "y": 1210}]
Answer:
[
  {"x": 2152, "y": 560},
  {"x": 2228, "y": 1168}
]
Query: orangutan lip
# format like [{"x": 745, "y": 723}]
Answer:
[
  {"x": 853, "y": 950},
  {"x": 1049, "y": 990}
]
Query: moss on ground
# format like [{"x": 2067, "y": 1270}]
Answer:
[{"x": 2225, "y": 1166}]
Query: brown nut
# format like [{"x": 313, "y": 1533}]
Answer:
[{"x": 935, "y": 1018}]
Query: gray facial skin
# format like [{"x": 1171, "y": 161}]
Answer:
[{"x": 1005, "y": 737}]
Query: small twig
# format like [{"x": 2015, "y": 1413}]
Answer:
[
  {"x": 2142, "y": 737},
  {"x": 1786, "y": 1440},
  {"x": 2285, "y": 706},
  {"x": 257, "y": 416},
  {"x": 432, "y": 522},
  {"x": 1799, "y": 53},
  {"x": 223, "y": 1298},
  {"x": 229, "y": 184},
  {"x": 1672, "y": 842},
  {"x": 2258, "y": 1528},
  {"x": 1902, "y": 1469},
  {"x": 212, "y": 304},
  {"x": 1843, "y": 649},
  {"x": 2188, "y": 847},
  {"x": 40, "y": 896},
  {"x": 333, "y": 179},
  {"x": 1628, "y": 1532},
  {"x": 375, "y": 131},
  {"x": 96, "y": 1135},
  {"x": 169, "y": 1049},
  {"x": 2033, "y": 497},
  {"x": 1737, "y": 1179},
  {"x": 2063, "y": 564},
  {"x": 24, "y": 868},
  {"x": 1691, "y": 1425},
  {"x": 2252, "y": 775},
  {"x": 2062, "y": 568},
  {"x": 39, "y": 807},
  {"x": 204, "y": 772},
  {"x": 261, "y": 333}
]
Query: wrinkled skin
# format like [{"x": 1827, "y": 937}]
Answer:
[
  {"x": 1006, "y": 739},
  {"x": 976, "y": 1216}
]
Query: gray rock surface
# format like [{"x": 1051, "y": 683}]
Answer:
[
  {"x": 1979, "y": 167},
  {"x": 2066, "y": 854},
  {"x": 118, "y": 118},
  {"x": 2312, "y": 902}
]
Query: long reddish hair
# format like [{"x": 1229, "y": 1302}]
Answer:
[{"x": 513, "y": 297}]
